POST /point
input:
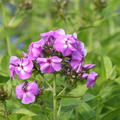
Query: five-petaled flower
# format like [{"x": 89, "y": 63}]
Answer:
[
  {"x": 50, "y": 37},
  {"x": 65, "y": 44},
  {"x": 22, "y": 67},
  {"x": 49, "y": 65},
  {"x": 27, "y": 92},
  {"x": 35, "y": 50}
]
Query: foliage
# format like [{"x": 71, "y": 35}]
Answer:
[{"x": 97, "y": 24}]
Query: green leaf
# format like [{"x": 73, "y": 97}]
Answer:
[
  {"x": 4, "y": 66},
  {"x": 24, "y": 111},
  {"x": 117, "y": 80},
  {"x": 3, "y": 79},
  {"x": 113, "y": 101},
  {"x": 70, "y": 101},
  {"x": 112, "y": 114},
  {"x": 88, "y": 97},
  {"x": 80, "y": 90},
  {"x": 15, "y": 117},
  {"x": 15, "y": 21},
  {"x": 108, "y": 66},
  {"x": 86, "y": 111},
  {"x": 26, "y": 118},
  {"x": 106, "y": 90}
]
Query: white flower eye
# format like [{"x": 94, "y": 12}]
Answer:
[
  {"x": 65, "y": 39},
  {"x": 65, "y": 46}
]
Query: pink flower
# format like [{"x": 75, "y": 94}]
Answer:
[
  {"x": 91, "y": 79},
  {"x": 22, "y": 67},
  {"x": 27, "y": 92},
  {"x": 76, "y": 62},
  {"x": 78, "y": 56},
  {"x": 49, "y": 65},
  {"x": 13, "y": 63},
  {"x": 88, "y": 66},
  {"x": 50, "y": 37},
  {"x": 35, "y": 50},
  {"x": 65, "y": 44},
  {"x": 80, "y": 48}
]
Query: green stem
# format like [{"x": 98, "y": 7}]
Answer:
[
  {"x": 5, "y": 111},
  {"x": 5, "y": 19},
  {"x": 8, "y": 45},
  {"x": 45, "y": 80},
  {"x": 54, "y": 100},
  {"x": 90, "y": 41}
]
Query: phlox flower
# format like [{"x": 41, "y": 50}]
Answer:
[
  {"x": 65, "y": 44},
  {"x": 49, "y": 65},
  {"x": 35, "y": 50},
  {"x": 22, "y": 67},
  {"x": 27, "y": 92},
  {"x": 50, "y": 37},
  {"x": 91, "y": 78}
]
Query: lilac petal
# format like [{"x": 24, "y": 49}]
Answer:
[
  {"x": 92, "y": 77},
  {"x": 58, "y": 45},
  {"x": 28, "y": 98},
  {"x": 19, "y": 91},
  {"x": 24, "y": 75},
  {"x": 33, "y": 88},
  {"x": 44, "y": 67},
  {"x": 77, "y": 56},
  {"x": 84, "y": 76},
  {"x": 12, "y": 71},
  {"x": 24, "y": 61},
  {"x": 75, "y": 35},
  {"x": 14, "y": 60},
  {"x": 61, "y": 31},
  {"x": 35, "y": 50},
  {"x": 80, "y": 48},
  {"x": 29, "y": 67},
  {"x": 50, "y": 69},
  {"x": 47, "y": 34},
  {"x": 79, "y": 68},
  {"x": 36, "y": 44},
  {"x": 41, "y": 60},
  {"x": 42, "y": 42},
  {"x": 56, "y": 66},
  {"x": 25, "y": 54},
  {"x": 88, "y": 66},
  {"x": 67, "y": 52},
  {"x": 74, "y": 63},
  {"x": 56, "y": 59}
]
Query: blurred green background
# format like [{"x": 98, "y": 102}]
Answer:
[{"x": 97, "y": 23}]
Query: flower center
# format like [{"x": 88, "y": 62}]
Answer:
[
  {"x": 66, "y": 42},
  {"x": 49, "y": 61},
  {"x": 51, "y": 38},
  {"x": 24, "y": 88},
  {"x": 22, "y": 67}
]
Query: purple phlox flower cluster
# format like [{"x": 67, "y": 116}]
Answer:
[{"x": 56, "y": 51}]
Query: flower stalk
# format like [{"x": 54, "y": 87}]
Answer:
[
  {"x": 5, "y": 20},
  {"x": 54, "y": 100}
]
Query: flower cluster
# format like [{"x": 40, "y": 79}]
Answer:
[{"x": 55, "y": 51}]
